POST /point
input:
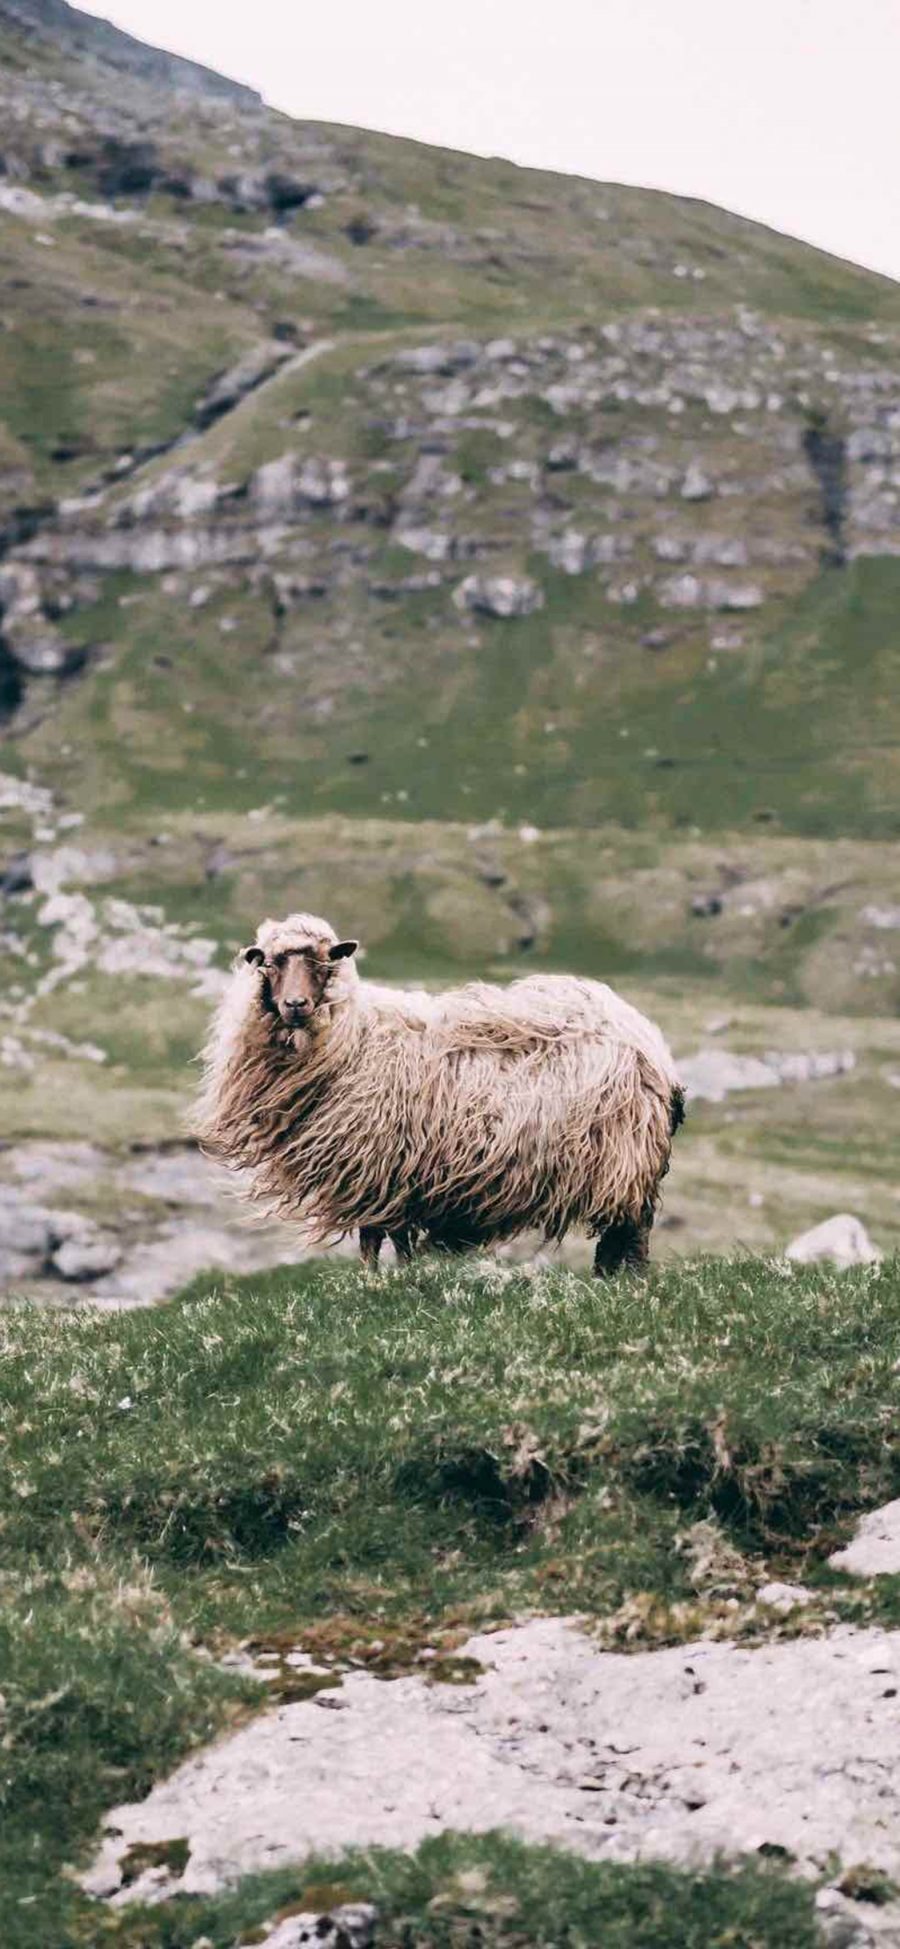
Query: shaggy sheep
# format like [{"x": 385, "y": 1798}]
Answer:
[{"x": 459, "y": 1117}]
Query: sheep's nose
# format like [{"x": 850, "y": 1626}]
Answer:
[{"x": 296, "y": 1011}]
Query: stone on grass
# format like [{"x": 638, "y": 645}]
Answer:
[
  {"x": 712, "y": 1074},
  {"x": 351, "y": 1926},
  {"x": 841, "y": 1240},
  {"x": 783, "y": 1597},
  {"x": 875, "y": 1549},
  {"x": 499, "y": 595},
  {"x": 696, "y": 485},
  {"x": 86, "y": 1254}
]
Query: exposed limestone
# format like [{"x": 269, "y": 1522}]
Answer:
[
  {"x": 842, "y": 1241},
  {"x": 713, "y": 1074},
  {"x": 86, "y": 1254},
  {"x": 681, "y": 1754},
  {"x": 349, "y": 1926},
  {"x": 875, "y": 1549},
  {"x": 243, "y": 377},
  {"x": 499, "y": 595},
  {"x": 692, "y": 592},
  {"x": 696, "y": 485},
  {"x": 167, "y": 1215},
  {"x": 29, "y": 637}
]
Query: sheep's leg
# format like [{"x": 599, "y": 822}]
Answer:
[
  {"x": 371, "y": 1239},
  {"x": 624, "y": 1246},
  {"x": 403, "y": 1244}
]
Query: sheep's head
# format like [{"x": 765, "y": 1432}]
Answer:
[{"x": 302, "y": 966}]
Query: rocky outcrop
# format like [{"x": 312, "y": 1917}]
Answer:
[
  {"x": 231, "y": 386},
  {"x": 874, "y": 1550},
  {"x": 841, "y": 1241},
  {"x": 499, "y": 595},
  {"x": 684, "y": 1754},
  {"x": 29, "y": 638},
  {"x": 713, "y": 1074},
  {"x": 166, "y": 1216},
  {"x": 352, "y": 1925}
]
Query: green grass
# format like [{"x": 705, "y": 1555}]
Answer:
[
  {"x": 362, "y": 1466},
  {"x": 492, "y": 1892}
]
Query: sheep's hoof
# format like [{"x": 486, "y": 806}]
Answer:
[
  {"x": 624, "y": 1247},
  {"x": 371, "y": 1238}
]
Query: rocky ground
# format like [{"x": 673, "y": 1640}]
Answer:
[
  {"x": 781, "y": 1750},
  {"x": 686, "y": 1754}
]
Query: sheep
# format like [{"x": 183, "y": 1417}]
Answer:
[{"x": 453, "y": 1119}]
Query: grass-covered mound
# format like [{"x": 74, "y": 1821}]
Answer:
[{"x": 366, "y": 1466}]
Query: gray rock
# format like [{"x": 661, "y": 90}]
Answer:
[
  {"x": 712, "y": 1074},
  {"x": 351, "y": 1926},
  {"x": 51, "y": 1167},
  {"x": 875, "y": 1549},
  {"x": 13, "y": 1267},
  {"x": 86, "y": 1254},
  {"x": 323, "y": 482},
  {"x": 682, "y": 1754},
  {"x": 722, "y": 551},
  {"x": 445, "y": 359},
  {"x": 434, "y": 543},
  {"x": 691, "y": 591},
  {"x": 784, "y": 1597},
  {"x": 841, "y": 1241},
  {"x": 810, "y": 1066},
  {"x": 273, "y": 485},
  {"x": 575, "y": 553},
  {"x": 734, "y": 595},
  {"x": 27, "y": 1230},
  {"x": 885, "y": 919},
  {"x": 230, "y": 386},
  {"x": 499, "y": 595},
  {"x": 696, "y": 485},
  {"x": 34, "y": 642}
]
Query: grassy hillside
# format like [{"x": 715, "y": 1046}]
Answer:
[{"x": 414, "y": 1457}]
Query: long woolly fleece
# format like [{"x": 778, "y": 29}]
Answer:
[{"x": 472, "y": 1114}]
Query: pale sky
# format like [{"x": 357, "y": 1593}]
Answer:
[{"x": 783, "y": 110}]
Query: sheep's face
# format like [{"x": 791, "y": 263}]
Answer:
[{"x": 297, "y": 980}]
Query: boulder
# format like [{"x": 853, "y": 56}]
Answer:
[
  {"x": 696, "y": 485},
  {"x": 841, "y": 1240},
  {"x": 712, "y": 1074},
  {"x": 875, "y": 1549},
  {"x": 86, "y": 1253},
  {"x": 30, "y": 638},
  {"x": 733, "y": 595},
  {"x": 444, "y": 359},
  {"x": 434, "y": 543},
  {"x": 351, "y": 1926},
  {"x": 323, "y": 482},
  {"x": 499, "y": 595},
  {"x": 783, "y": 1598},
  {"x": 27, "y": 1230},
  {"x": 690, "y": 591},
  {"x": 273, "y": 485}
]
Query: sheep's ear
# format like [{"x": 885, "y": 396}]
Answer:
[
  {"x": 341, "y": 949},
  {"x": 253, "y": 956}
]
